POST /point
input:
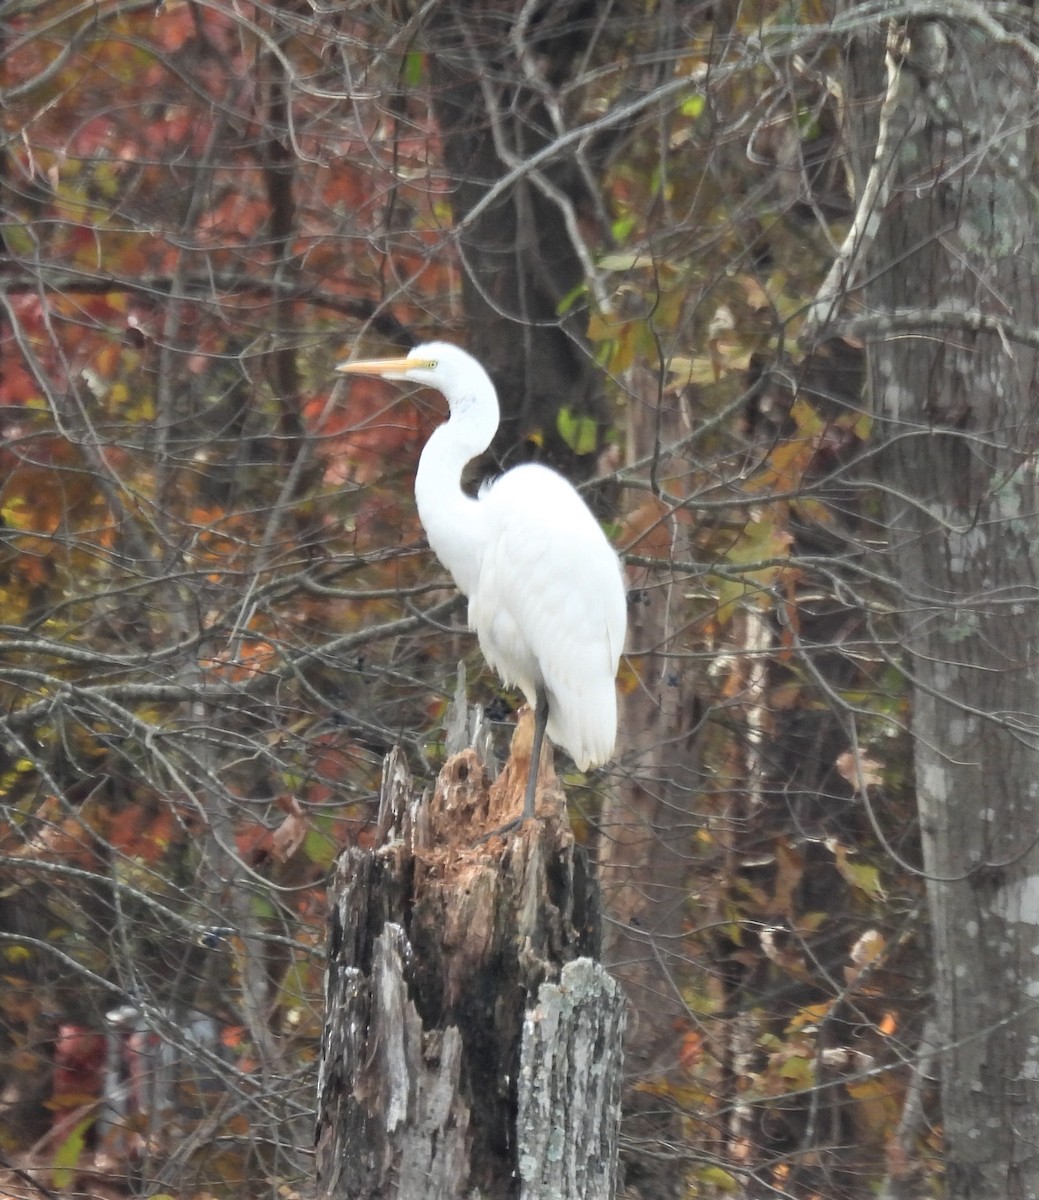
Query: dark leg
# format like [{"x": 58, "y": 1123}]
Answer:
[{"x": 540, "y": 721}]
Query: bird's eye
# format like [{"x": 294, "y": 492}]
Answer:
[{"x": 432, "y": 364}]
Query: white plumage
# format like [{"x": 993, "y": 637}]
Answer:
[{"x": 545, "y": 590}]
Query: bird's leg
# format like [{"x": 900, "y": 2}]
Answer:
[{"x": 540, "y": 722}]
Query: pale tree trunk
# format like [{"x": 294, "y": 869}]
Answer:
[
  {"x": 648, "y": 821},
  {"x": 951, "y": 281}
]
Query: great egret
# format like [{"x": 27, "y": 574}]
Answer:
[{"x": 546, "y": 594}]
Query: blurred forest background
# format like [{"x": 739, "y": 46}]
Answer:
[{"x": 754, "y": 274}]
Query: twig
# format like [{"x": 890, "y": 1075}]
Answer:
[{"x": 866, "y": 224}]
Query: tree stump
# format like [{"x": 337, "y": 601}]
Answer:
[{"x": 472, "y": 1045}]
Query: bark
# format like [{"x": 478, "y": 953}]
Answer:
[
  {"x": 472, "y": 1047},
  {"x": 957, "y": 233},
  {"x": 495, "y": 77}
]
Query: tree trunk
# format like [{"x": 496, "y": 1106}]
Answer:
[
  {"x": 951, "y": 278},
  {"x": 647, "y": 826},
  {"x": 472, "y": 1047},
  {"x": 495, "y": 74}
]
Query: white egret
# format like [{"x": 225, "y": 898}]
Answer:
[{"x": 545, "y": 590}]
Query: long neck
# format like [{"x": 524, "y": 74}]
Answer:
[{"x": 452, "y": 520}]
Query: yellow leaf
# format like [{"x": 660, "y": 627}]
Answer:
[
  {"x": 719, "y": 1178},
  {"x": 798, "y": 1071},
  {"x": 877, "y": 1104},
  {"x": 806, "y": 419},
  {"x": 759, "y": 541},
  {"x": 862, "y": 876},
  {"x": 625, "y": 262},
  {"x": 686, "y": 371},
  {"x": 810, "y": 1015}
]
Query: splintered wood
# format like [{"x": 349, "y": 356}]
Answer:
[{"x": 472, "y": 1044}]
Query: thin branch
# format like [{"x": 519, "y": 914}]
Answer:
[
  {"x": 866, "y": 223},
  {"x": 210, "y": 690},
  {"x": 21, "y": 276}
]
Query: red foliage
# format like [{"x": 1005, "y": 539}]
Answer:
[{"x": 79, "y": 1064}]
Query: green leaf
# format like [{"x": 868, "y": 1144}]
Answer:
[
  {"x": 580, "y": 433},
  {"x": 414, "y": 68},
  {"x": 261, "y": 908},
  {"x": 320, "y": 848},
  {"x": 622, "y": 227},
  {"x": 692, "y": 106},
  {"x": 66, "y": 1157},
  {"x": 571, "y": 298}
]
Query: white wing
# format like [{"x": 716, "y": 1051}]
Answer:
[{"x": 549, "y": 606}]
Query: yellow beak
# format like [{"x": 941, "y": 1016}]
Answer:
[{"x": 377, "y": 366}]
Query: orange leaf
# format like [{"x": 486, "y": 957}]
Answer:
[
  {"x": 691, "y": 1049},
  {"x": 289, "y": 835},
  {"x": 790, "y": 868},
  {"x": 859, "y": 770}
]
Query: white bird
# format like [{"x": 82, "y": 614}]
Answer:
[{"x": 545, "y": 588}]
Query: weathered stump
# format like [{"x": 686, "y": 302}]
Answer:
[{"x": 472, "y": 1045}]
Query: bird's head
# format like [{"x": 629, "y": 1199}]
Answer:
[{"x": 435, "y": 364}]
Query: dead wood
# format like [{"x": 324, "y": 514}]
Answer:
[{"x": 472, "y": 1045}]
